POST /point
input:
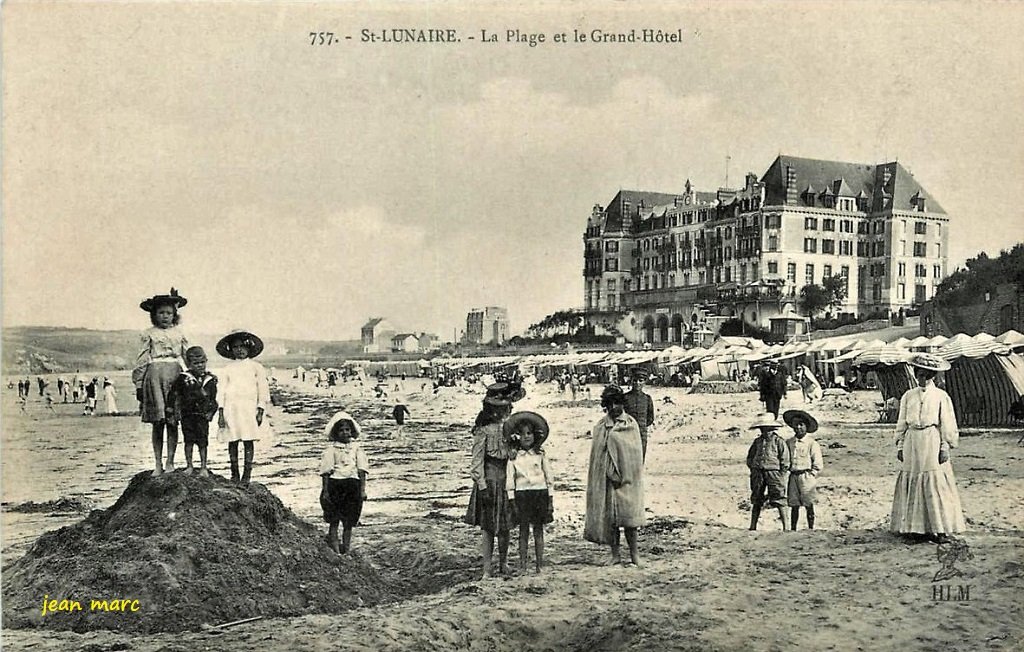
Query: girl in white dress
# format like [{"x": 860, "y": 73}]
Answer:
[
  {"x": 109, "y": 396},
  {"x": 926, "y": 501},
  {"x": 244, "y": 395}
]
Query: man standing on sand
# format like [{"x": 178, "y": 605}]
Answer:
[
  {"x": 772, "y": 386},
  {"x": 640, "y": 406}
]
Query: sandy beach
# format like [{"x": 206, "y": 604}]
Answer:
[{"x": 706, "y": 583}]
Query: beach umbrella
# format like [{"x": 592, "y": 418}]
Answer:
[
  {"x": 968, "y": 347},
  {"x": 1012, "y": 339},
  {"x": 938, "y": 340},
  {"x": 919, "y": 342},
  {"x": 901, "y": 342},
  {"x": 984, "y": 337}
]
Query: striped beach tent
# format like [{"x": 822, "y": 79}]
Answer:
[{"x": 985, "y": 379}]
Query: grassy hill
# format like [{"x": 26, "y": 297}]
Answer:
[{"x": 39, "y": 349}]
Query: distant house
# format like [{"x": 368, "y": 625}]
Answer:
[
  {"x": 405, "y": 343},
  {"x": 429, "y": 342},
  {"x": 377, "y": 335}
]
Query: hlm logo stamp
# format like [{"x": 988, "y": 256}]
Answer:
[{"x": 949, "y": 553}]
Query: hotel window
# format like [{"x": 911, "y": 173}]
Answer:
[
  {"x": 862, "y": 228},
  {"x": 901, "y": 291},
  {"x": 808, "y": 274},
  {"x": 743, "y": 273},
  {"x": 672, "y": 280},
  {"x": 773, "y": 267},
  {"x": 611, "y": 265},
  {"x": 936, "y": 271},
  {"x": 728, "y": 253},
  {"x": 938, "y": 229},
  {"x": 919, "y": 293},
  {"x": 920, "y": 271},
  {"x": 920, "y": 249},
  {"x": 611, "y": 300},
  {"x": 879, "y": 249},
  {"x": 811, "y": 223},
  {"x": 938, "y": 250},
  {"x": 862, "y": 204},
  {"x": 828, "y": 246},
  {"x": 828, "y": 224},
  {"x": 846, "y": 226},
  {"x": 810, "y": 246},
  {"x": 862, "y": 248},
  {"x": 701, "y": 277},
  {"x": 611, "y": 285},
  {"x": 773, "y": 243},
  {"x": 826, "y": 271},
  {"x": 901, "y": 269},
  {"x": 753, "y": 272},
  {"x": 903, "y": 247},
  {"x": 920, "y": 228},
  {"x": 612, "y": 246},
  {"x": 686, "y": 278},
  {"x": 773, "y": 221},
  {"x": 845, "y": 248},
  {"x": 791, "y": 272},
  {"x": 844, "y": 271},
  {"x": 728, "y": 232},
  {"x": 876, "y": 292},
  {"x": 728, "y": 274},
  {"x": 718, "y": 275}
]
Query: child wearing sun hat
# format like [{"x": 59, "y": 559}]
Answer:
[
  {"x": 244, "y": 397},
  {"x": 343, "y": 467},
  {"x": 529, "y": 482},
  {"x": 768, "y": 460},
  {"x": 807, "y": 462}
]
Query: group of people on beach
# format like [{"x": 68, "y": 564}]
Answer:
[
  {"x": 174, "y": 389},
  {"x": 513, "y": 485}
]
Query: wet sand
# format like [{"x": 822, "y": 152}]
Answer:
[{"x": 707, "y": 582}]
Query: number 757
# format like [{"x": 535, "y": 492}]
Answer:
[{"x": 321, "y": 38}]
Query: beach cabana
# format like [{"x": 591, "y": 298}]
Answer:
[
  {"x": 1012, "y": 339},
  {"x": 985, "y": 379}
]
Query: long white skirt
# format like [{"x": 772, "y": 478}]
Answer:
[{"x": 925, "y": 500}]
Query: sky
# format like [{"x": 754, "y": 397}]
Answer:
[{"x": 297, "y": 190}]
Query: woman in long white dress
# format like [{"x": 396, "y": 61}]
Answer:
[
  {"x": 109, "y": 396},
  {"x": 926, "y": 501}
]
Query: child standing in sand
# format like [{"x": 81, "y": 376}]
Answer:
[
  {"x": 193, "y": 403},
  {"x": 159, "y": 363},
  {"x": 768, "y": 460},
  {"x": 343, "y": 468},
  {"x": 529, "y": 483},
  {"x": 245, "y": 394},
  {"x": 807, "y": 462}
]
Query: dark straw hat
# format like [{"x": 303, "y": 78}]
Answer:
[
  {"x": 504, "y": 393},
  {"x": 252, "y": 342},
  {"x": 537, "y": 423},
  {"x": 612, "y": 393},
  {"x": 156, "y": 300},
  {"x": 791, "y": 416}
]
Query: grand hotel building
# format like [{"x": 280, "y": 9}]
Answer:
[{"x": 654, "y": 263}]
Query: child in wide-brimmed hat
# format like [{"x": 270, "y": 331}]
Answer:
[
  {"x": 343, "y": 467},
  {"x": 529, "y": 482},
  {"x": 489, "y": 507},
  {"x": 245, "y": 395},
  {"x": 806, "y": 464},
  {"x": 159, "y": 363},
  {"x": 768, "y": 460}
]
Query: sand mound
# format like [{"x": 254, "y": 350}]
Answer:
[{"x": 191, "y": 551}]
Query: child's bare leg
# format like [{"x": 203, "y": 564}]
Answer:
[
  {"x": 158, "y": 447},
  {"x": 202, "y": 461},
  {"x": 782, "y": 517},
  {"x": 332, "y": 536},
  {"x": 616, "y": 543},
  {"x": 188, "y": 457},
  {"x": 503, "y": 552},
  {"x": 172, "y": 446},
  {"x": 524, "y": 543},
  {"x": 794, "y": 517},
  {"x": 810, "y": 517},
  {"x": 233, "y": 455},
  {"x": 634, "y": 553},
  {"x": 487, "y": 549},
  {"x": 346, "y": 539},
  {"x": 538, "y": 546}
]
